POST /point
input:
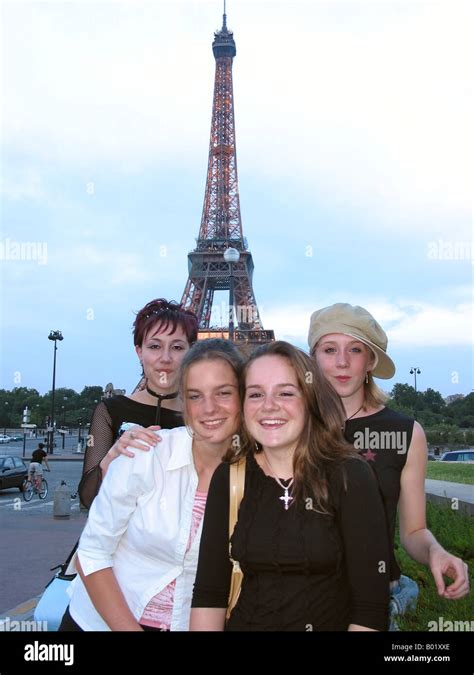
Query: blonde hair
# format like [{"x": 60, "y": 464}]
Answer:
[{"x": 373, "y": 395}]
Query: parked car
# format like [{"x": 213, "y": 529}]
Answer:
[
  {"x": 13, "y": 472},
  {"x": 4, "y": 439},
  {"x": 466, "y": 455},
  {"x": 16, "y": 437}
]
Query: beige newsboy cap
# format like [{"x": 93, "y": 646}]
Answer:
[{"x": 358, "y": 323}]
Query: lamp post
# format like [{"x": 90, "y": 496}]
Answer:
[
  {"x": 55, "y": 336},
  {"x": 63, "y": 430},
  {"x": 5, "y": 429},
  {"x": 231, "y": 256},
  {"x": 38, "y": 416},
  {"x": 415, "y": 371},
  {"x": 64, "y": 411}
]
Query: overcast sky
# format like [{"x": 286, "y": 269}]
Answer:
[{"x": 354, "y": 146}]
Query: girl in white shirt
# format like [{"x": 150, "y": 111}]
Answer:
[{"x": 137, "y": 556}]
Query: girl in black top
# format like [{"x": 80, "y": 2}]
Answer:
[
  {"x": 310, "y": 535},
  {"x": 163, "y": 332},
  {"x": 350, "y": 349}
]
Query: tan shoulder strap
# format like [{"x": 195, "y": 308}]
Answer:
[{"x": 237, "y": 486}]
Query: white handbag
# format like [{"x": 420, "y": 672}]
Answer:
[{"x": 55, "y": 599}]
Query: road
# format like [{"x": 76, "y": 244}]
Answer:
[
  {"x": 16, "y": 447},
  {"x": 32, "y": 540}
]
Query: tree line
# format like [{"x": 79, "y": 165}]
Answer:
[
  {"x": 71, "y": 408},
  {"x": 445, "y": 421}
]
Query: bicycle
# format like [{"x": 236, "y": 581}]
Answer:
[{"x": 31, "y": 487}]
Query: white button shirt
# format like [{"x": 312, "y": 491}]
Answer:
[{"x": 139, "y": 524}]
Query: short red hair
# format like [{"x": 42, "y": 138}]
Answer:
[{"x": 163, "y": 314}]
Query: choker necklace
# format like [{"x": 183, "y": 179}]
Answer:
[
  {"x": 160, "y": 397},
  {"x": 286, "y": 497},
  {"x": 357, "y": 411}
]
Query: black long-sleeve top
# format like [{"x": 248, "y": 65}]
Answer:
[{"x": 302, "y": 570}]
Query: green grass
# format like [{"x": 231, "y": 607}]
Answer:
[
  {"x": 454, "y": 531},
  {"x": 457, "y": 472}
]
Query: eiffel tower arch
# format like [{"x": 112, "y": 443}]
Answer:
[{"x": 221, "y": 223}]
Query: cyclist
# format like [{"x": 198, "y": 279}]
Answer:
[{"x": 35, "y": 470}]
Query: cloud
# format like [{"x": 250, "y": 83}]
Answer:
[
  {"x": 29, "y": 185},
  {"x": 353, "y": 124},
  {"x": 359, "y": 104},
  {"x": 83, "y": 85},
  {"x": 407, "y": 323},
  {"x": 425, "y": 325}
]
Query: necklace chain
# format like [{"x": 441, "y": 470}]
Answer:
[
  {"x": 357, "y": 411},
  {"x": 286, "y": 497}
]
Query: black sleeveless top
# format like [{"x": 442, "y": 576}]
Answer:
[{"x": 383, "y": 440}]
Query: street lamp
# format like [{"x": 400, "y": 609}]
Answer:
[
  {"x": 55, "y": 336},
  {"x": 415, "y": 371},
  {"x": 5, "y": 430},
  {"x": 231, "y": 255}
]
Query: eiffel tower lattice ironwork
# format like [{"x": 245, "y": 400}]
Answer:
[{"x": 221, "y": 225}]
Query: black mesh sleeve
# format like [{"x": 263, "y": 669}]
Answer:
[{"x": 101, "y": 439}]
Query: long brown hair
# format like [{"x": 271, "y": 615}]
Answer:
[{"x": 321, "y": 446}]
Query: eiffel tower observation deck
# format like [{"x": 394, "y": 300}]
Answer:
[{"x": 221, "y": 260}]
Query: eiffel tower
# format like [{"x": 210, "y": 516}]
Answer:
[{"x": 221, "y": 260}]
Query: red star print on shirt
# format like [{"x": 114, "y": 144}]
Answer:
[{"x": 369, "y": 455}]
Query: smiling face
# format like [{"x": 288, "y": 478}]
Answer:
[
  {"x": 161, "y": 354},
  {"x": 211, "y": 397},
  {"x": 274, "y": 408},
  {"x": 344, "y": 362}
]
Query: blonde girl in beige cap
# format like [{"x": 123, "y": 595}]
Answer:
[{"x": 350, "y": 349}]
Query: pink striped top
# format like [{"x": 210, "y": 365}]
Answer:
[{"x": 159, "y": 610}]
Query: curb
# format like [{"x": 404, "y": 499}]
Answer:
[
  {"x": 79, "y": 458},
  {"x": 463, "y": 507},
  {"x": 23, "y": 612}
]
